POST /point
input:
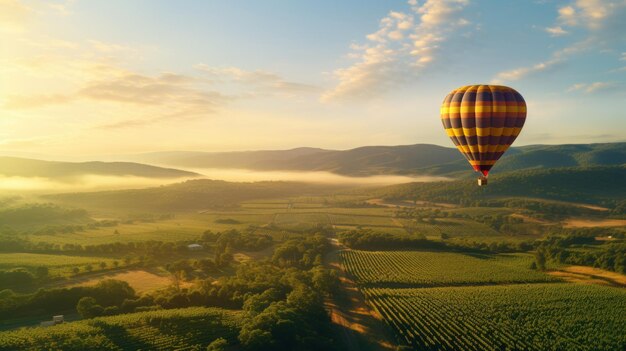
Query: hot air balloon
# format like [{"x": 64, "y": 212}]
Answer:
[{"x": 483, "y": 121}]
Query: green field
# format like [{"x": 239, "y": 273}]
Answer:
[
  {"x": 508, "y": 317},
  {"x": 155, "y": 330},
  {"x": 57, "y": 264},
  {"x": 425, "y": 269}
]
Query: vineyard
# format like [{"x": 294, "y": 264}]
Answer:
[
  {"x": 180, "y": 329},
  {"x": 427, "y": 269},
  {"x": 508, "y": 317},
  {"x": 451, "y": 227}
]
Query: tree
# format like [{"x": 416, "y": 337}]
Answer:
[
  {"x": 540, "y": 258},
  {"x": 75, "y": 270},
  {"x": 103, "y": 265},
  {"x": 219, "y": 344},
  {"x": 88, "y": 308},
  {"x": 88, "y": 268}
]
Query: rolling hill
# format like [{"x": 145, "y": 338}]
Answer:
[
  {"x": 597, "y": 184},
  {"x": 404, "y": 159},
  {"x": 23, "y": 167}
]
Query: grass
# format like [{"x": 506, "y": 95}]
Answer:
[
  {"x": 57, "y": 264},
  {"x": 140, "y": 280}
]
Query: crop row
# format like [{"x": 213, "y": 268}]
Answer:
[
  {"x": 513, "y": 317},
  {"x": 419, "y": 268},
  {"x": 153, "y": 330}
]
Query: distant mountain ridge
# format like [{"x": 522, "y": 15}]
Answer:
[
  {"x": 23, "y": 167},
  {"x": 403, "y": 159}
]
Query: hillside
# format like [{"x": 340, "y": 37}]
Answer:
[
  {"x": 197, "y": 194},
  {"x": 363, "y": 161},
  {"x": 403, "y": 159},
  {"x": 583, "y": 184},
  {"x": 188, "y": 328},
  {"x": 23, "y": 167}
]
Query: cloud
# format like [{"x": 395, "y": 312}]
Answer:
[
  {"x": 169, "y": 96},
  {"x": 567, "y": 15},
  {"x": 260, "y": 81},
  {"x": 556, "y": 31},
  {"x": 93, "y": 71},
  {"x": 603, "y": 19},
  {"x": 403, "y": 45},
  {"x": 591, "y": 87},
  {"x": 558, "y": 57},
  {"x": 589, "y": 13},
  {"x": 521, "y": 72},
  {"x": 13, "y": 15}
]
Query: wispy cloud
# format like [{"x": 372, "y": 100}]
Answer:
[
  {"x": 603, "y": 20},
  {"x": 557, "y": 58},
  {"x": 94, "y": 71},
  {"x": 591, "y": 87},
  {"x": 521, "y": 72},
  {"x": 259, "y": 81},
  {"x": 404, "y": 44},
  {"x": 556, "y": 31}
]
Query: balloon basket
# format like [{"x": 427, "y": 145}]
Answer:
[{"x": 482, "y": 181}]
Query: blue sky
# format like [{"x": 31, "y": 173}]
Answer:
[{"x": 94, "y": 77}]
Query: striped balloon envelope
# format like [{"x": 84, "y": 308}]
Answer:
[{"x": 483, "y": 121}]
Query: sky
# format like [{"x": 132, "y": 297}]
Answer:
[{"x": 82, "y": 77}]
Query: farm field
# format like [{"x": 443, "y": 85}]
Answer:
[
  {"x": 57, "y": 264},
  {"x": 425, "y": 269},
  {"x": 507, "y": 317},
  {"x": 385, "y": 278},
  {"x": 456, "y": 301},
  {"x": 153, "y": 330},
  {"x": 140, "y": 280}
]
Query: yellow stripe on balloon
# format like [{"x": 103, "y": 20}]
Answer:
[
  {"x": 482, "y": 163},
  {"x": 445, "y": 110},
  {"x": 498, "y": 148}
]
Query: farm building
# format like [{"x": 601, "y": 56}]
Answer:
[
  {"x": 194, "y": 247},
  {"x": 55, "y": 320}
]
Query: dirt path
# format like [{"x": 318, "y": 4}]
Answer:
[{"x": 359, "y": 327}]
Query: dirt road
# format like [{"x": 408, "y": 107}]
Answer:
[{"x": 359, "y": 327}]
